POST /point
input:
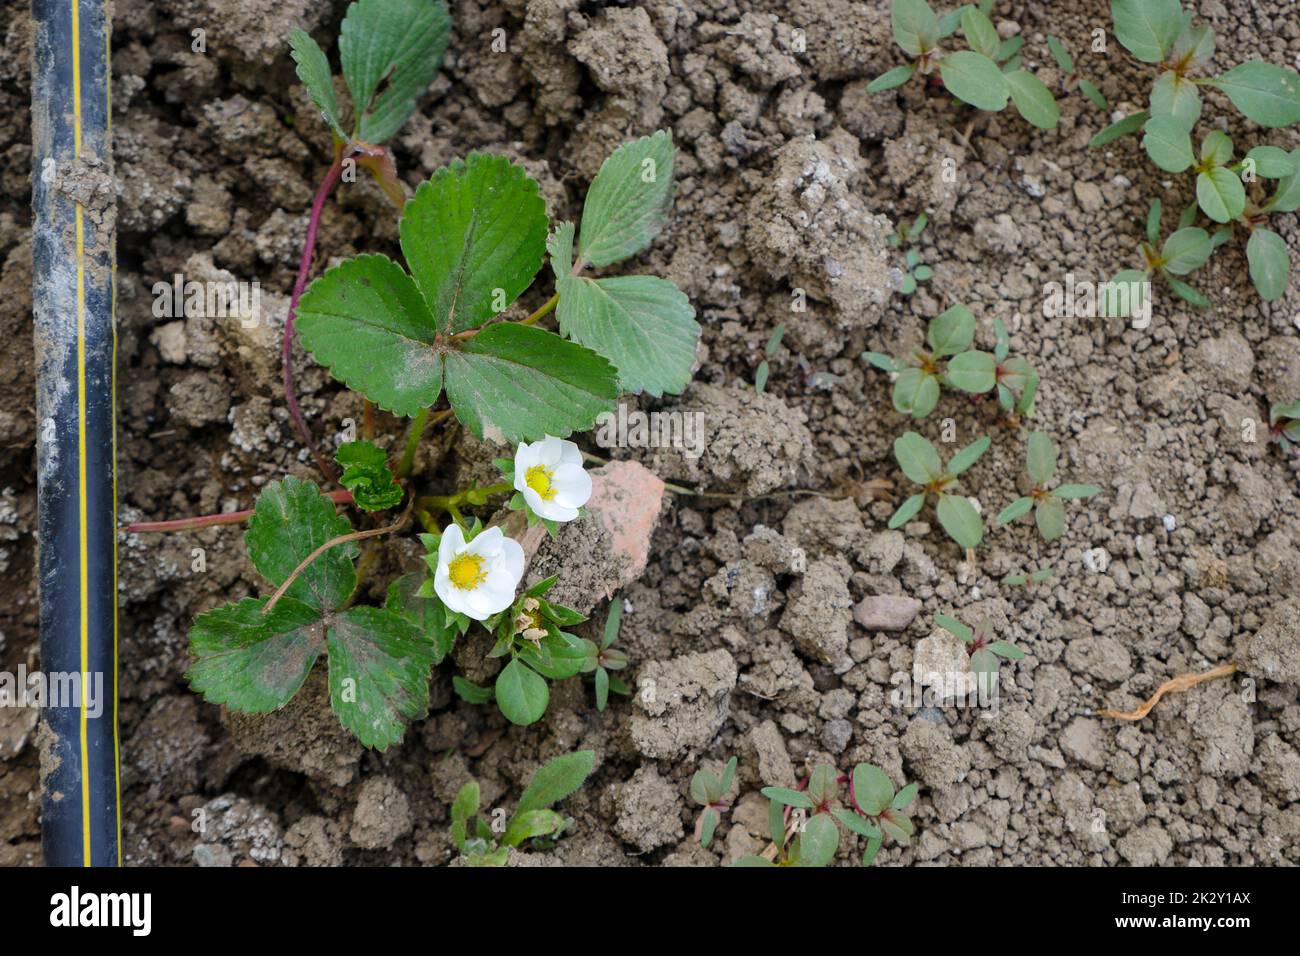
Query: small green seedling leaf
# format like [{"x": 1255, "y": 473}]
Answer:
[
  {"x": 918, "y": 458},
  {"x": 907, "y": 511},
  {"x": 1270, "y": 263},
  {"x": 1017, "y": 509},
  {"x": 313, "y": 69},
  {"x": 818, "y": 841},
  {"x": 955, "y": 628},
  {"x": 1168, "y": 143},
  {"x": 872, "y": 789},
  {"x": 961, "y": 461},
  {"x": 367, "y": 476},
  {"x": 951, "y": 331},
  {"x": 469, "y": 692},
  {"x": 973, "y": 371},
  {"x": 892, "y": 78},
  {"x": 521, "y": 693},
  {"x": 1264, "y": 92},
  {"x": 1041, "y": 458},
  {"x": 556, "y": 780},
  {"x": 916, "y": 392},
  {"x": 975, "y": 79},
  {"x": 980, "y": 32},
  {"x": 1186, "y": 250},
  {"x": 914, "y": 25},
  {"x": 1033, "y": 100},
  {"x": 1271, "y": 162},
  {"x": 1125, "y": 127},
  {"x": 960, "y": 519},
  {"x": 1147, "y": 28},
  {"x": 1220, "y": 194}
]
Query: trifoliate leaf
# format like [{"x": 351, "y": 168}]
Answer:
[
  {"x": 555, "y": 780},
  {"x": 892, "y": 78},
  {"x": 291, "y": 520},
  {"x": 907, "y": 510},
  {"x": 961, "y": 461},
  {"x": 960, "y": 519},
  {"x": 1186, "y": 250},
  {"x": 915, "y": 27},
  {"x": 1125, "y": 127},
  {"x": 643, "y": 324},
  {"x": 1050, "y": 518},
  {"x": 1034, "y": 101},
  {"x": 379, "y": 674},
  {"x": 366, "y": 321},
  {"x": 474, "y": 236},
  {"x": 250, "y": 661},
  {"x": 366, "y": 475},
  {"x": 1147, "y": 28},
  {"x": 1270, "y": 263},
  {"x": 981, "y": 35},
  {"x": 917, "y": 457},
  {"x": 951, "y": 331},
  {"x": 916, "y": 392},
  {"x": 872, "y": 789},
  {"x": 426, "y": 614},
  {"x": 975, "y": 79},
  {"x": 1040, "y": 459},
  {"x": 1176, "y": 96},
  {"x": 1168, "y": 143},
  {"x": 819, "y": 841},
  {"x": 521, "y": 693},
  {"x": 627, "y": 204},
  {"x": 313, "y": 69},
  {"x": 397, "y": 44},
  {"x": 974, "y": 372},
  {"x": 1264, "y": 92},
  {"x": 527, "y": 383}
]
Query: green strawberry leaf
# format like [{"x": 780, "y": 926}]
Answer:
[
  {"x": 521, "y": 693},
  {"x": 250, "y": 661},
  {"x": 627, "y": 204},
  {"x": 960, "y": 519},
  {"x": 527, "y": 383},
  {"x": 426, "y": 614},
  {"x": 1033, "y": 100},
  {"x": 366, "y": 475},
  {"x": 1264, "y": 92},
  {"x": 313, "y": 70},
  {"x": 397, "y": 44},
  {"x": 1147, "y": 28},
  {"x": 474, "y": 236},
  {"x": 366, "y": 321},
  {"x": 643, "y": 324},
  {"x": 918, "y": 458},
  {"x": 291, "y": 520},
  {"x": 975, "y": 79},
  {"x": 1270, "y": 263},
  {"x": 379, "y": 674}
]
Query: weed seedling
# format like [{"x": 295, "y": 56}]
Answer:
[
  {"x": 1070, "y": 78},
  {"x": 1034, "y": 577},
  {"x": 921, "y": 463},
  {"x": 871, "y": 808},
  {"x": 1284, "y": 425},
  {"x": 950, "y": 361},
  {"x": 905, "y": 236},
  {"x": 599, "y": 661},
  {"x": 533, "y": 820},
  {"x": 1183, "y": 252},
  {"x": 984, "y": 651},
  {"x": 1160, "y": 33},
  {"x": 985, "y": 76},
  {"x": 710, "y": 791},
  {"x": 769, "y": 352},
  {"x": 1048, "y": 506}
]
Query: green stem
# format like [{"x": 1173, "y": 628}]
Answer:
[
  {"x": 413, "y": 434},
  {"x": 548, "y": 306},
  {"x": 470, "y": 496}
]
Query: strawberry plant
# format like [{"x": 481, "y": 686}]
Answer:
[
  {"x": 868, "y": 806},
  {"x": 985, "y": 653},
  {"x": 921, "y": 463},
  {"x": 1228, "y": 192},
  {"x": 1048, "y": 506},
  {"x": 533, "y": 819},
  {"x": 474, "y": 237},
  {"x": 986, "y": 76},
  {"x": 709, "y": 791}
]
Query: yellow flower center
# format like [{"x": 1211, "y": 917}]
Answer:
[
  {"x": 539, "y": 479},
  {"x": 466, "y": 571}
]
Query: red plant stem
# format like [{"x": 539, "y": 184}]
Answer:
[
  {"x": 286, "y": 351},
  {"x": 208, "y": 521}
]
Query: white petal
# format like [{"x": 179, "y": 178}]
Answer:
[
  {"x": 487, "y": 544},
  {"x": 496, "y": 593},
  {"x": 570, "y": 454},
  {"x": 453, "y": 539},
  {"x": 572, "y": 486},
  {"x": 550, "y": 451},
  {"x": 512, "y": 561},
  {"x": 533, "y": 499},
  {"x": 554, "y": 511}
]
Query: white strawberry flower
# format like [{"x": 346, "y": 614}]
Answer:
[
  {"x": 478, "y": 578},
  {"x": 550, "y": 476}
]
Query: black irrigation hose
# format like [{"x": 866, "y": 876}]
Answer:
[{"x": 73, "y": 266}]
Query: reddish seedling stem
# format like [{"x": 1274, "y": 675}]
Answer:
[
  {"x": 286, "y": 350},
  {"x": 208, "y": 521}
]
